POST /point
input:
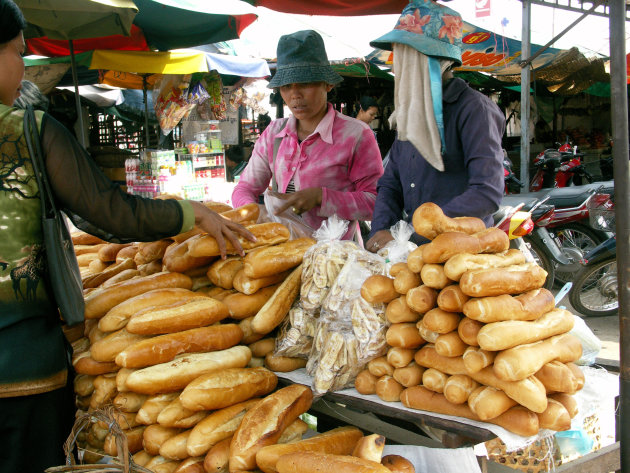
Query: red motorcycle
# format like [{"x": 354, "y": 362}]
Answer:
[{"x": 560, "y": 167}]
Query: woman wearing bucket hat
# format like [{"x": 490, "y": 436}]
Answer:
[
  {"x": 448, "y": 149},
  {"x": 321, "y": 161}
]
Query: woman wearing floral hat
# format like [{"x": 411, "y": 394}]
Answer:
[
  {"x": 448, "y": 150},
  {"x": 321, "y": 161}
]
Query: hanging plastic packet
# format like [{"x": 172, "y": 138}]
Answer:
[
  {"x": 171, "y": 103},
  {"x": 296, "y": 224},
  {"x": 397, "y": 250},
  {"x": 295, "y": 334}
]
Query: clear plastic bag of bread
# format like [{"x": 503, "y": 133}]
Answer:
[
  {"x": 295, "y": 334},
  {"x": 591, "y": 344},
  {"x": 295, "y": 223},
  {"x": 350, "y": 331},
  {"x": 323, "y": 261},
  {"x": 397, "y": 250}
]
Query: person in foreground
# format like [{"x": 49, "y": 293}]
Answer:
[
  {"x": 448, "y": 148},
  {"x": 323, "y": 162},
  {"x": 36, "y": 392}
]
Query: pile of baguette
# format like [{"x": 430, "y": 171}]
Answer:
[
  {"x": 472, "y": 333},
  {"x": 179, "y": 341}
]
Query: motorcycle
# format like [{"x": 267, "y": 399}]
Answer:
[
  {"x": 595, "y": 290},
  {"x": 560, "y": 167},
  {"x": 512, "y": 184}
]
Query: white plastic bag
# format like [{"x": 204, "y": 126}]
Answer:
[
  {"x": 296, "y": 224},
  {"x": 397, "y": 250},
  {"x": 591, "y": 345}
]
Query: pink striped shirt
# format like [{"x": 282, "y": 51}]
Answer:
[{"x": 341, "y": 156}]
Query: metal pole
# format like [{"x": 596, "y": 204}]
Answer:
[
  {"x": 619, "y": 102},
  {"x": 146, "y": 111},
  {"x": 77, "y": 97},
  {"x": 525, "y": 79}
]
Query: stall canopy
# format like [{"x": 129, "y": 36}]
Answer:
[{"x": 333, "y": 7}]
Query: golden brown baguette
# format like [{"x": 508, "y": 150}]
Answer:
[
  {"x": 164, "y": 348},
  {"x": 83, "y": 238},
  {"x": 97, "y": 279},
  {"x": 265, "y": 233},
  {"x": 398, "y": 311},
  {"x": 365, "y": 382},
  {"x": 175, "y": 447},
  {"x": 561, "y": 377},
  {"x": 388, "y": 389},
  {"x": 120, "y": 277},
  {"x": 176, "y": 415},
  {"x": 107, "y": 348},
  {"x": 108, "y": 252},
  {"x": 555, "y": 417},
  {"x": 476, "y": 359},
  {"x": 315, "y": 462},
  {"x": 450, "y": 344},
  {"x": 452, "y": 299},
  {"x": 429, "y": 221},
  {"x": 421, "y": 299},
  {"x": 100, "y": 301},
  {"x": 433, "y": 276},
  {"x": 227, "y": 387},
  {"x": 191, "y": 465},
  {"x": 468, "y": 330},
  {"x": 404, "y": 335},
  {"x": 264, "y": 424},
  {"x": 434, "y": 380},
  {"x": 440, "y": 321},
  {"x": 176, "y": 374},
  {"x": 456, "y": 266},
  {"x": 410, "y": 375},
  {"x": 488, "y": 402},
  {"x": 177, "y": 257},
  {"x": 514, "y": 279},
  {"x": 218, "y": 457},
  {"x": 449, "y": 244},
  {"x": 370, "y": 448},
  {"x": 528, "y": 306},
  {"x": 404, "y": 278},
  {"x": 83, "y": 363},
  {"x": 415, "y": 261},
  {"x": 458, "y": 388},
  {"x": 277, "y": 307},
  {"x": 283, "y": 364},
  {"x": 222, "y": 271},
  {"x": 397, "y": 464},
  {"x": 134, "y": 441},
  {"x": 152, "y": 407},
  {"x": 378, "y": 288},
  {"x": 151, "y": 251},
  {"x": 155, "y": 435},
  {"x": 244, "y": 213},
  {"x": 246, "y": 285},
  {"x": 242, "y": 306},
  {"x": 276, "y": 259}
]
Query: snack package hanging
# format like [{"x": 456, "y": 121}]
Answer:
[
  {"x": 295, "y": 334},
  {"x": 171, "y": 100},
  {"x": 296, "y": 224},
  {"x": 350, "y": 331},
  {"x": 397, "y": 250},
  {"x": 215, "y": 107}
]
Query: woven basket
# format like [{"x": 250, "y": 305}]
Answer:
[{"x": 122, "y": 464}]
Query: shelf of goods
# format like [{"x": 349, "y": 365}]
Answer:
[{"x": 212, "y": 360}]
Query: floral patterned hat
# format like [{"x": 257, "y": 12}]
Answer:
[{"x": 430, "y": 28}]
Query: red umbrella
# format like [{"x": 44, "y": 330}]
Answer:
[{"x": 334, "y": 7}]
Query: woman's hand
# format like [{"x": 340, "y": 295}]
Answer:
[
  {"x": 301, "y": 201},
  {"x": 220, "y": 228},
  {"x": 378, "y": 241}
]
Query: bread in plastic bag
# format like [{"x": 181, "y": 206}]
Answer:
[
  {"x": 397, "y": 250},
  {"x": 591, "y": 345},
  {"x": 295, "y": 334}
]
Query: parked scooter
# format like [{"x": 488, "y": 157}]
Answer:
[
  {"x": 512, "y": 184},
  {"x": 595, "y": 290},
  {"x": 560, "y": 167}
]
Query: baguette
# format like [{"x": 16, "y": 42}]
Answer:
[
  {"x": 440, "y": 321},
  {"x": 448, "y": 244},
  {"x": 433, "y": 276},
  {"x": 189, "y": 314},
  {"x": 151, "y": 251},
  {"x": 217, "y": 426},
  {"x": 283, "y": 364},
  {"x": 249, "y": 336},
  {"x": 177, "y": 257},
  {"x": 513, "y": 279},
  {"x": 152, "y": 407},
  {"x": 127, "y": 252},
  {"x": 365, "y": 382},
  {"x": 133, "y": 440},
  {"x": 380, "y": 367},
  {"x": 244, "y": 213},
  {"x": 246, "y": 285},
  {"x": 476, "y": 359},
  {"x": 458, "y": 388},
  {"x": 452, "y": 299},
  {"x": 241, "y": 306},
  {"x": 429, "y": 221},
  {"x": 450, "y": 344},
  {"x": 277, "y": 307},
  {"x": 276, "y": 259},
  {"x": 404, "y": 335},
  {"x": 456, "y": 266},
  {"x": 120, "y": 277},
  {"x": 398, "y": 311},
  {"x": 262, "y": 347},
  {"x": 265, "y": 233},
  {"x": 378, "y": 288},
  {"x": 568, "y": 401},
  {"x": 155, "y": 435},
  {"x": 118, "y": 316},
  {"x": 528, "y": 306},
  {"x": 339, "y": 441},
  {"x": 410, "y": 375},
  {"x": 404, "y": 278},
  {"x": 525, "y": 360},
  {"x": 151, "y": 268},
  {"x": 100, "y": 301},
  {"x": 107, "y": 348},
  {"x": 164, "y": 348},
  {"x": 315, "y": 462},
  {"x": 227, "y": 387},
  {"x": 400, "y": 357},
  {"x": 108, "y": 253},
  {"x": 191, "y": 465},
  {"x": 558, "y": 377},
  {"x": 264, "y": 423},
  {"x": 218, "y": 457},
  {"x": 488, "y": 402},
  {"x": 555, "y": 417},
  {"x": 96, "y": 280},
  {"x": 429, "y": 335},
  {"x": 397, "y": 464},
  {"x": 434, "y": 380},
  {"x": 415, "y": 261},
  {"x": 142, "y": 457},
  {"x": 121, "y": 379},
  {"x": 370, "y": 448},
  {"x": 159, "y": 464},
  {"x": 508, "y": 334},
  {"x": 174, "y": 448},
  {"x": 176, "y": 415},
  {"x": 83, "y": 238},
  {"x": 421, "y": 299},
  {"x": 104, "y": 390},
  {"x": 130, "y": 402},
  {"x": 175, "y": 375},
  {"x": 388, "y": 389},
  {"x": 468, "y": 330},
  {"x": 222, "y": 272},
  {"x": 83, "y": 363}
]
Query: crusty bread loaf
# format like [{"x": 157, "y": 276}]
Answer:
[
  {"x": 265, "y": 422},
  {"x": 429, "y": 335},
  {"x": 244, "y": 213},
  {"x": 476, "y": 359},
  {"x": 125, "y": 420},
  {"x": 404, "y": 335},
  {"x": 176, "y": 415},
  {"x": 97, "y": 279},
  {"x": 276, "y": 259},
  {"x": 108, "y": 252},
  {"x": 440, "y": 321},
  {"x": 447, "y": 245},
  {"x": 433, "y": 276},
  {"x": 130, "y": 402},
  {"x": 120, "y": 277},
  {"x": 242, "y": 306},
  {"x": 159, "y": 464},
  {"x": 191, "y": 313},
  {"x": 223, "y": 271},
  {"x": 100, "y": 301},
  {"x": 83, "y": 384},
  {"x": 428, "y": 357},
  {"x": 265, "y": 233},
  {"x": 121, "y": 379},
  {"x": 83, "y": 363},
  {"x": 429, "y": 221},
  {"x": 388, "y": 389},
  {"x": 246, "y": 285},
  {"x": 378, "y": 288},
  {"x": 85, "y": 249},
  {"x": 421, "y": 299},
  {"x": 452, "y": 299},
  {"x": 517, "y": 419},
  {"x": 152, "y": 268},
  {"x": 83, "y": 238},
  {"x": 155, "y": 435},
  {"x": 86, "y": 260},
  {"x": 164, "y": 348},
  {"x": 404, "y": 278},
  {"x": 559, "y": 377},
  {"x": 339, "y": 441},
  {"x": 410, "y": 375},
  {"x": 568, "y": 401},
  {"x": 488, "y": 402},
  {"x": 218, "y": 457},
  {"x": 107, "y": 348},
  {"x": 514, "y": 279},
  {"x": 151, "y": 251},
  {"x": 468, "y": 329},
  {"x": 503, "y": 335},
  {"x": 177, "y": 257},
  {"x": 365, "y": 382},
  {"x": 414, "y": 259},
  {"x": 152, "y": 407},
  {"x": 380, "y": 367},
  {"x": 191, "y": 465},
  {"x": 456, "y": 266},
  {"x": 283, "y": 364},
  {"x": 217, "y": 426},
  {"x": 555, "y": 417},
  {"x": 400, "y": 357},
  {"x": 142, "y": 457},
  {"x": 224, "y": 388},
  {"x": 370, "y": 448},
  {"x": 434, "y": 380},
  {"x": 398, "y": 311},
  {"x": 458, "y": 388},
  {"x": 397, "y": 464},
  {"x": 127, "y": 252},
  {"x": 104, "y": 390},
  {"x": 450, "y": 344},
  {"x": 249, "y": 336},
  {"x": 134, "y": 441},
  {"x": 277, "y": 307},
  {"x": 260, "y": 348},
  {"x": 118, "y": 316},
  {"x": 528, "y": 306},
  {"x": 525, "y": 360},
  {"x": 312, "y": 462},
  {"x": 176, "y": 374}
]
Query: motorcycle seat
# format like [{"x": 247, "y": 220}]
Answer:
[{"x": 571, "y": 196}]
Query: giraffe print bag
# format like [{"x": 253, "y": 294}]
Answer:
[{"x": 63, "y": 269}]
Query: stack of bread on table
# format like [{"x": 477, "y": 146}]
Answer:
[
  {"x": 176, "y": 339},
  {"x": 472, "y": 333}
]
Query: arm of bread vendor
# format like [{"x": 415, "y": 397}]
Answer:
[{"x": 84, "y": 190}]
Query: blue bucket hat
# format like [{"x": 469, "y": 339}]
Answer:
[
  {"x": 432, "y": 29},
  {"x": 302, "y": 58}
]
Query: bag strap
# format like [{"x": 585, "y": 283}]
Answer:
[
  {"x": 33, "y": 142},
  {"x": 276, "y": 145}
]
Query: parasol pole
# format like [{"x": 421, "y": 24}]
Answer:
[
  {"x": 77, "y": 97},
  {"x": 146, "y": 110}
]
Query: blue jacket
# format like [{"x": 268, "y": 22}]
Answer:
[{"x": 472, "y": 183}]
